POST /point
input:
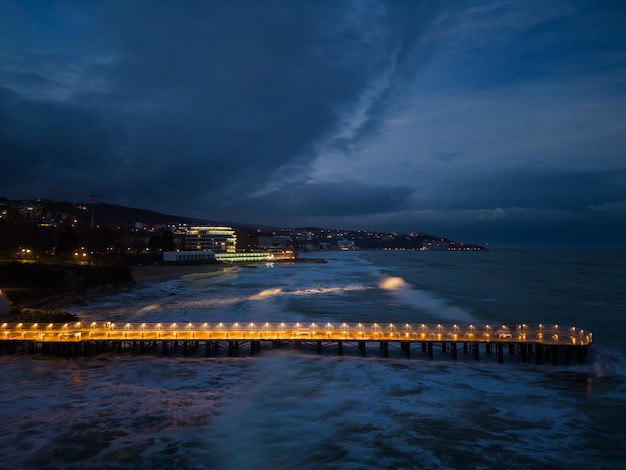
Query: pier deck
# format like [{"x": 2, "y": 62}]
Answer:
[{"x": 543, "y": 342}]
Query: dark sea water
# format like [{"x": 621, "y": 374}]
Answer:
[{"x": 288, "y": 408}]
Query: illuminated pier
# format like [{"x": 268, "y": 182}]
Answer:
[{"x": 528, "y": 343}]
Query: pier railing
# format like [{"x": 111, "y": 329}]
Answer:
[{"x": 296, "y": 331}]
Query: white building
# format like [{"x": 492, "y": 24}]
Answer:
[{"x": 216, "y": 239}]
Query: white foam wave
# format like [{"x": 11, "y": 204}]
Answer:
[{"x": 425, "y": 301}]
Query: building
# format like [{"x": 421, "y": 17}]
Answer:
[
  {"x": 435, "y": 245},
  {"x": 345, "y": 245},
  {"x": 203, "y": 257},
  {"x": 188, "y": 257},
  {"x": 216, "y": 239}
]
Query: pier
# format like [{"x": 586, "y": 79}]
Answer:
[{"x": 536, "y": 344}]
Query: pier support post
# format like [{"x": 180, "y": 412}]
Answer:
[
  {"x": 362, "y": 347},
  {"x": 407, "y": 349},
  {"x": 555, "y": 355},
  {"x": 488, "y": 348},
  {"x": 538, "y": 353},
  {"x": 319, "y": 347},
  {"x": 385, "y": 345},
  {"x": 430, "y": 350},
  {"x": 524, "y": 352},
  {"x": 477, "y": 351},
  {"x": 444, "y": 347},
  {"x": 500, "y": 352},
  {"x": 465, "y": 348},
  {"x": 453, "y": 350},
  {"x": 231, "y": 348},
  {"x": 340, "y": 348},
  {"x": 568, "y": 355},
  {"x": 511, "y": 349},
  {"x": 423, "y": 347}
]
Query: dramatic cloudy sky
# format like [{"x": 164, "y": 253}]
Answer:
[{"x": 500, "y": 122}]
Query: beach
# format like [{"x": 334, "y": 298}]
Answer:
[{"x": 158, "y": 273}]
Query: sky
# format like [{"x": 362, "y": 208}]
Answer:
[{"x": 490, "y": 122}]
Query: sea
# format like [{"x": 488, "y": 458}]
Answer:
[{"x": 289, "y": 407}]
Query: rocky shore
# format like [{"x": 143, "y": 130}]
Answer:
[{"x": 33, "y": 308}]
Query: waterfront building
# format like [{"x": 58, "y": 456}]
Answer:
[{"x": 216, "y": 239}]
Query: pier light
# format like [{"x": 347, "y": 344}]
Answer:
[
  {"x": 297, "y": 325},
  {"x": 329, "y": 326},
  {"x": 4, "y": 326},
  {"x": 471, "y": 327},
  {"x": 77, "y": 325},
  {"x": 266, "y": 326},
  {"x": 205, "y": 326},
  {"x": 64, "y": 326},
  {"x": 236, "y": 326},
  {"x": 251, "y": 326},
  {"x": 313, "y": 326},
  {"x": 189, "y": 326},
  {"x": 143, "y": 326},
  {"x": 438, "y": 326},
  {"x": 112, "y": 326},
  {"x": 127, "y": 326},
  {"x": 36, "y": 325},
  {"x": 282, "y": 326},
  {"x": 390, "y": 326},
  {"x": 220, "y": 326},
  {"x": 423, "y": 327},
  {"x": 407, "y": 327},
  {"x": 174, "y": 326},
  {"x": 540, "y": 327},
  {"x": 93, "y": 325},
  {"x": 19, "y": 326},
  {"x": 556, "y": 328},
  {"x": 159, "y": 326}
]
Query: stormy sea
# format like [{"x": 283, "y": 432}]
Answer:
[{"x": 289, "y": 407}]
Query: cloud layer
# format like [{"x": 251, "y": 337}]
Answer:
[{"x": 377, "y": 115}]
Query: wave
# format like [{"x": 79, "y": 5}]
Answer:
[{"x": 425, "y": 301}]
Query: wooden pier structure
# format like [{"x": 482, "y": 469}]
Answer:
[{"x": 528, "y": 343}]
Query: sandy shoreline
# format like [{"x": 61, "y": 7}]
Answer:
[{"x": 160, "y": 273}]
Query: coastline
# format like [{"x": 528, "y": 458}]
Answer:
[
  {"x": 54, "y": 308},
  {"x": 158, "y": 273}
]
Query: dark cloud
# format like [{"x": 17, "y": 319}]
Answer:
[
  {"x": 213, "y": 98},
  {"x": 328, "y": 200},
  {"x": 378, "y": 115},
  {"x": 543, "y": 189}
]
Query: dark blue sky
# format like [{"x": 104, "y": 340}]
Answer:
[{"x": 500, "y": 122}]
